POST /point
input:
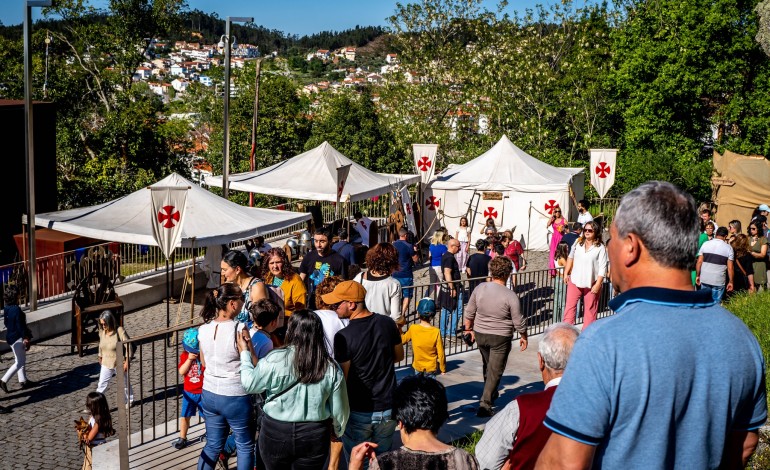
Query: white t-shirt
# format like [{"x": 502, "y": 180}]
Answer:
[
  {"x": 587, "y": 265},
  {"x": 383, "y": 295},
  {"x": 585, "y": 217},
  {"x": 223, "y": 362},
  {"x": 462, "y": 234},
  {"x": 332, "y": 324}
]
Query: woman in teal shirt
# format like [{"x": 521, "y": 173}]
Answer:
[{"x": 306, "y": 398}]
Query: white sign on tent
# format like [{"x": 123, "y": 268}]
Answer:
[
  {"x": 168, "y": 210},
  {"x": 425, "y": 161},
  {"x": 603, "y": 168}
]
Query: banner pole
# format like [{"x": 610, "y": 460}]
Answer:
[{"x": 168, "y": 296}]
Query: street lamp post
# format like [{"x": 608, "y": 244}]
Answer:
[
  {"x": 228, "y": 45},
  {"x": 29, "y": 145}
]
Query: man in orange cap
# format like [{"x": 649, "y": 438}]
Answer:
[{"x": 366, "y": 349}]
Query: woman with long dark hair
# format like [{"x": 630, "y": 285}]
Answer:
[
  {"x": 584, "y": 274},
  {"x": 306, "y": 395},
  {"x": 277, "y": 271},
  {"x": 235, "y": 269},
  {"x": 758, "y": 245},
  {"x": 224, "y": 402}
]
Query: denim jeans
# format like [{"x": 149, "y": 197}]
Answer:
[
  {"x": 448, "y": 321},
  {"x": 716, "y": 291},
  {"x": 222, "y": 413},
  {"x": 374, "y": 426}
]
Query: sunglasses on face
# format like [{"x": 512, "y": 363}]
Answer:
[
  {"x": 589, "y": 230},
  {"x": 334, "y": 307}
]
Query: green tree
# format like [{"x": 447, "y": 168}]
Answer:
[{"x": 350, "y": 123}]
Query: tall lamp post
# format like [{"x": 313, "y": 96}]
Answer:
[
  {"x": 29, "y": 145},
  {"x": 227, "y": 41}
]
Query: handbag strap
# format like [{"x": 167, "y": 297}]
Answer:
[{"x": 273, "y": 397}]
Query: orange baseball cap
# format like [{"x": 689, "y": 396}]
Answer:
[{"x": 347, "y": 291}]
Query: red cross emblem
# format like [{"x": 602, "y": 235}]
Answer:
[
  {"x": 432, "y": 203},
  {"x": 408, "y": 209},
  {"x": 340, "y": 188},
  {"x": 490, "y": 212},
  {"x": 602, "y": 170},
  {"x": 168, "y": 216},
  {"x": 550, "y": 206},
  {"x": 423, "y": 163}
]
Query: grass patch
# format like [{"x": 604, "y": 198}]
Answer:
[
  {"x": 468, "y": 443},
  {"x": 754, "y": 310}
]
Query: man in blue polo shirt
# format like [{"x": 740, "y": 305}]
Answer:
[
  {"x": 407, "y": 256},
  {"x": 672, "y": 380}
]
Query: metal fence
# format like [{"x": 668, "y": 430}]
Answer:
[
  {"x": 157, "y": 385},
  {"x": 605, "y": 208},
  {"x": 535, "y": 290}
]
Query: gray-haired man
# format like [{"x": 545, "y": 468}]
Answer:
[
  {"x": 517, "y": 432},
  {"x": 672, "y": 380}
]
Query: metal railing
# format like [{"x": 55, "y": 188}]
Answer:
[
  {"x": 536, "y": 291},
  {"x": 605, "y": 208},
  {"x": 59, "y": 275},
  {"x": 153, "y": 373}
]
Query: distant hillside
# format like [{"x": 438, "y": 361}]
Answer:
[{"x": 209, "y": 27}]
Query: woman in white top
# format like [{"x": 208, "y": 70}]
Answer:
[
  {"x": 463, "y": 235},
  {"x": 224, "y": 402},
  {"x": 585, "y": 271},
  {"x": 383, "y": 291}
]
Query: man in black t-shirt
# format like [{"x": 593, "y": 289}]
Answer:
[
  {"x": 366, "y": 350},
  {"x": 478, "y": 265},
  {"x": 321, "y": 263},
  {"x": 451, "y": 295}
]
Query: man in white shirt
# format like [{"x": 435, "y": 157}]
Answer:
[
  {"x": 715, "y": 260},
  {"x": 516, "y": 433},
  {"x": 583, "y": 214}
]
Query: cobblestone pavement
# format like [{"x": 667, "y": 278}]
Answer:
[{"x": 39, "y": 433}]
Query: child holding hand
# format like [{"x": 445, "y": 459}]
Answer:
[{"x": 191, "y": 368}]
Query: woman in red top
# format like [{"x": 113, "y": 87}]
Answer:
[{"x": 514, "y": 251}]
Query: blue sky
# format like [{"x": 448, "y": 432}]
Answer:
[{"x": 290, "y": 16}]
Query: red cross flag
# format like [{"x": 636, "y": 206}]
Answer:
[
  {"x": 406, "y": 200},
  {"x": 603, "y": 168},
  {"x": 168, "y": 209},
  {"x": 425, "y": 161},
  {"x": 342, "y": 178}
]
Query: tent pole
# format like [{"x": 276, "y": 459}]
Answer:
[
  {"x": 192, "y": 292},
  {"x": 168, "y": 299},
  {"x": 529, "y": 225}
]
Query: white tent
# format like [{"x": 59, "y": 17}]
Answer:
[
  {"x": 210, "y": 219},
  {"x": 313, "y": 176},
  {"x": 507, "y": 184}
]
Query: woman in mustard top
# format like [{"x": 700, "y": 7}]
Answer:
[{"x": 278, "y": 272}]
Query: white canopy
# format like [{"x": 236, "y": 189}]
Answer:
[
  {"x": 210, "y": 219},
  {"x": 506, "y": 184},
  {"x": 506, "y": 167},
  {"x": 313, "y": 176}
]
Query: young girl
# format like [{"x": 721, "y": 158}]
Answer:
[
  {"x": 426, "y": 340},
  {"x": 560, "y": 288},
  {"x": 101, "y": 425},
  {"x": 463, "y": 235},
  {"x": 18, "y": 337}
]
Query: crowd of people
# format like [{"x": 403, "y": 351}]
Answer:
[{"x": 293, "y": 368}]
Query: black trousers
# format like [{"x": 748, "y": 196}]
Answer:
[
  {"x": 296, "y": 446},
  {"x": 494, "y": 351}
]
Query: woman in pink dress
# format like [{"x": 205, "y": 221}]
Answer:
[{"x": 559, "y": 225}]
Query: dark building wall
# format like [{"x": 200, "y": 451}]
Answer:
[{"x": 12, "y": 158}]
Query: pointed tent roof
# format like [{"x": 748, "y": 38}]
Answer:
[
  {"x": 312, "y": 175},
  {"x": 505, "y": 167},
  {"x": 210, "y": 219}
]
